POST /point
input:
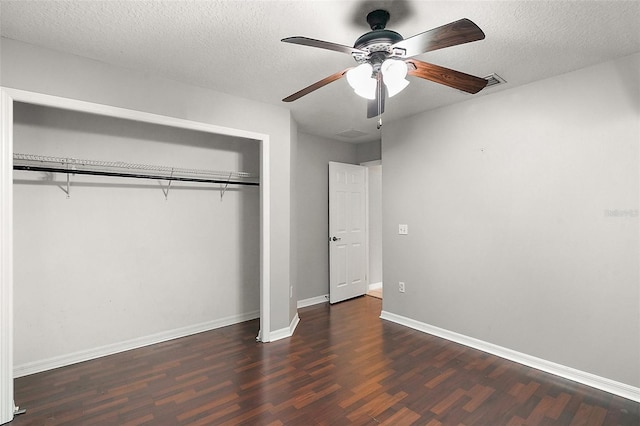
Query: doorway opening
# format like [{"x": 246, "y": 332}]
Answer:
[
  {"x": 355, "y": 230},
  {"x": 374, "y": 224}
]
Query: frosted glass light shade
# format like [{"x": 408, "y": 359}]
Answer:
[
  {"x": 359, "y": 78},
  {"x": 393, "y": 74}
]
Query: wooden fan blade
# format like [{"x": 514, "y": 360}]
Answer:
[
  {"x": 375, "y": 107},
  {"x": 458, "y": 32},
  {"x": 456, "y": 79},
  {"x": 316, "y": 85},
  {"x": 306, "y": 41}
]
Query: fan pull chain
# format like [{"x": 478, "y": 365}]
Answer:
[{"x": 380, "y": 95}]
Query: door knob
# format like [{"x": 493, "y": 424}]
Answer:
[{"x": 335, "y": 239}]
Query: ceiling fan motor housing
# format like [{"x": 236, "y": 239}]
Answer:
[
  {"x": 372, "y": 39},
  {"x": 378, "y": 19}
]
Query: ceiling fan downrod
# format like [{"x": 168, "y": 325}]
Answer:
[{"x": 378, "y": 19}]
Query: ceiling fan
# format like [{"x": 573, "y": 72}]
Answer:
[{"x": 385, "y": 59}]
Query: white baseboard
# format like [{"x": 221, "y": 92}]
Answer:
[
  {"x": 598, "y": 382},
  {"x": 86, "y": 355},
  {"x": 375, "y": 286},
  {"x": 283, "y": 333},
  {"x": 313, "y": 301}
]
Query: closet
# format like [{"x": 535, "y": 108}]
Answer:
[{"x": 126, "y": 233}]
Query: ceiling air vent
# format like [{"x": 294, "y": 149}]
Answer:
[{"x": 494, "y": 80}]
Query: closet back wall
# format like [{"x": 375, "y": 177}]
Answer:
[{"x": 116, "y": 263}]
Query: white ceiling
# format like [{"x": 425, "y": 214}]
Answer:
[{"x": 234, "y": 46}]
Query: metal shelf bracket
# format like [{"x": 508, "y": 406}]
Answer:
[
  {"x": 224, "y": 189},
  {"x": 166, "y": 191}
]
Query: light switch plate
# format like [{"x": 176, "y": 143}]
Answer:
[{"x": 403, "y": 229}]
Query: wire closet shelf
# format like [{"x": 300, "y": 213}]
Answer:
[{"x": 40, "y": 163}]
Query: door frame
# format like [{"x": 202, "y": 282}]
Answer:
[
  {"x": 368, "y": 164},
  {"x": 7, "y": 98}
]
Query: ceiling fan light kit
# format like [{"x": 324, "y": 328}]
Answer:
[
  {"x": 362, "y": 81},
  {"x": 363, "y": 78},
  {"x": 394, "y": 73},
  {"x": 385, "y": 59}
]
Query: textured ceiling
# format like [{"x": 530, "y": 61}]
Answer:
[{"x": 234, "y": 46}]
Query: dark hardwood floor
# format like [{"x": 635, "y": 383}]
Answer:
[{"x": 343, "y": 366}]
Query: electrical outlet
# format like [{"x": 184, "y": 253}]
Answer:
[
  {"x": 401, "y": 287},
  {"x": 403, "y": 229}
]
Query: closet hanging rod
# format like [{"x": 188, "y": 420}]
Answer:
[{"x": 37, "y": 163}]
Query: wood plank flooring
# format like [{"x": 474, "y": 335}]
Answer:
[
  {"x": 343, "y": 366},
  {"x": 376, "y": 292}
]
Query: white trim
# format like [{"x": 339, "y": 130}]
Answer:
[
  {"x": 372, "y": 163},
  {"x": 6, "y": 259},
  {"x": 375, "y": 286},
  {"x": 7, "y": 97},
  {"x": 124, "y": 113},
  {"x": 294, "y": 324},
  {"x": 598, "y": 382},
  {"x": 313, "y": 301},
  {"x": 367, "y": 245},
  {"x": 283, "y": 333},
  {"x": 93, "y": 353},
  {"x": 265, "y": 241}
]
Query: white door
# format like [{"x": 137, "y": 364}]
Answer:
[{"x": 347, "y": 231}]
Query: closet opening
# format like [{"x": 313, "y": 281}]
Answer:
[{"x": 98, "y": 263}]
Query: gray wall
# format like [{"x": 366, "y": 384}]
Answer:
[
  {"x": 369, "y": 151},
  {"x": 312, "y": 201},
  {"x": 522, "y": 209},
  {"x": 27, "y": 67}
]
